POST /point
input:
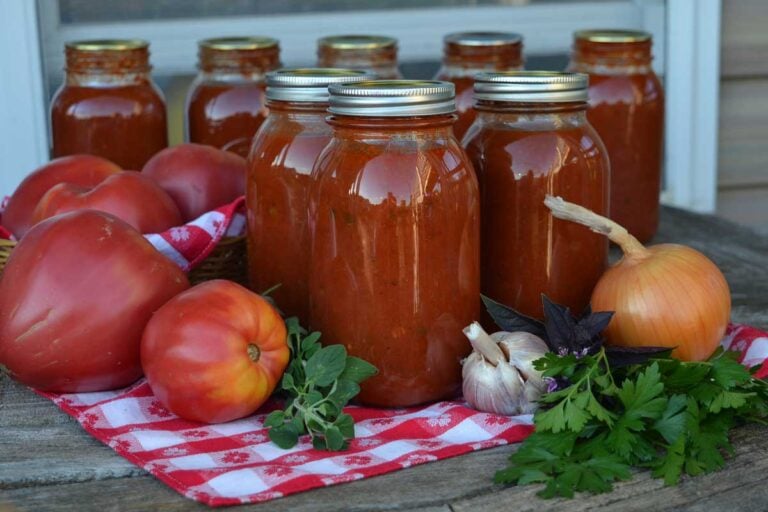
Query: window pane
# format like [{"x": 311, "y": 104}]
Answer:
[{"x": 89, "y": 11}]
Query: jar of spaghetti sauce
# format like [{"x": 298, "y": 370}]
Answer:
[
  {"x": 279, "y": 168},
  {"x": 394, "y": 223},
  {"x": 626, "y": 107},
  {"x": 531, "y": 138},
  {"x": 108, "y": 105},
  {"x": 377, "y": 54},
  {"x": 466, "y": 54},
  {"x": 225, "y": 103}
]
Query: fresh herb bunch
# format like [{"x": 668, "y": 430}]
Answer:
[
  {"x": 317, "y": 384},
  {"x": 639, "y": 408}
]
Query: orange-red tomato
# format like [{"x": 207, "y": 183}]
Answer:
[
  {"x": 215, "y": 352},
  {"x": 82, "y": 170},
  {"x": 128, "y": 195}
]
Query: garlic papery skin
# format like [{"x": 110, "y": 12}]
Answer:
[{"x": 498, "y": 376}]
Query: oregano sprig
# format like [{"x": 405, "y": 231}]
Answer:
[{"x": 318, "y": 382}]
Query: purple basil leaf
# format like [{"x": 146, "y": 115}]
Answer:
[
  {"x": 595, "y": 323},
  {"x": 512, "y": 321},
  {"x": 625, "y": 356},
  {"x": 560, "y": 326}
]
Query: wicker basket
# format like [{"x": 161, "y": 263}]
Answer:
[{"x": 226, "y": 261}]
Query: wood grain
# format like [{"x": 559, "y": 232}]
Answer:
[
  {"x": 47, "y": 462},
  {"x": 744, "y": 38},
  {"x": 743, "y": 156}
]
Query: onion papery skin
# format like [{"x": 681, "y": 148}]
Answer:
[{"x": 670, "y": 296}]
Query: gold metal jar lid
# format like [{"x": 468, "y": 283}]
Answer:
[
  {"x": 531, "y": 86},
  {"x": 238, "y": 43},
  {"x": 393, "y": 98},
  {"x": 612, "y": 36},
  {"x": 310, "y": 85},
  {"x": 356, "y": 42},
  {"x": 483, "y": 38},
  {"x": 107, "y": 45}
]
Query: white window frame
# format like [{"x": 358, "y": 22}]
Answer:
[{"x": 686, "y": 35}]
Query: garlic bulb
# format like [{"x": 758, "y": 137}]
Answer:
[{"x": 498, "y": 375}]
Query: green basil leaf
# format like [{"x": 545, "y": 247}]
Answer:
[
  {"x": 345, "y": 391},
  {"x": 346, "y": 425}
]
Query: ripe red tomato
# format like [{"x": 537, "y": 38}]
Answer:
[
  {"x": 75, "y": 296},
  {"x": 128, "y": 195},
  {"x": 82, "y": 170},
  {"x": 215, "y": 352},
  {"x": 199, "y": 178}
]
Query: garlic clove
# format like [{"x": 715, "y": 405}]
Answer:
[{"x": 499, "y": 376}]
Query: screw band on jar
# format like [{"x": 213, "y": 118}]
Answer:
[
  {"x": 309, "y": 85},
  {"x": 239, "y": 54},
  {"x": 503, "y": 50},
  {"x": 392, "y": 98},
  {"x": 612, "y": 47},
  {"x": 532, "y": 87},
  {"x": 107, "y": 56},
  {"x": 373, "y": 53},
  {"x": 612, "y": 36}
]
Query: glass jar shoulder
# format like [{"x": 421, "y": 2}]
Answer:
[
  {"x": 533, "y": 143},
  {"x": 288, "y": 143},
  {"x": 635, "y": 88},
  {"x": 98, "y": 101},
  {"x": 218, "y": 99},
  {"x": 404, "y": 167}
]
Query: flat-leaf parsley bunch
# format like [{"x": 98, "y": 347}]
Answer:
[{"x": 610, "y": 410}]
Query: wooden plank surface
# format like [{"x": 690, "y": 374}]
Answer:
[
  {"x": 744, "y": 38},
  {"x": 47, "y": 462},
  {"x": 742, "y": 157}
]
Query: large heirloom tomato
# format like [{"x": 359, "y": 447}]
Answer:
[
  {"x": 199, "y": 178},
  {"x": 81, "y": 170},
  {"x": 75, "y": 296},
  {"x": 128, "y": 195},
  {"x": 215, "y": 352}
]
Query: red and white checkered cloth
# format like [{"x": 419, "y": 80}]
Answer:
[{"x": 235, "y": 463}]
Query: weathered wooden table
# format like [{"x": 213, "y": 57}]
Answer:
[{"x": 47, "y": 462}]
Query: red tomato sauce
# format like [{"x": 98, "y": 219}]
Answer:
[
  {"x": 626, "y": 107},
  {"x": 226, "y": 102},
  {"x": 520, "y": 157},
  {"x": 109, "y": 107},
  {"x": 395, "y": 253},
  {"x": 278, "y": 184}
]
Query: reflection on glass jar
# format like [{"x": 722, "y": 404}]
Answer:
[
  {"x": 531, "y": 138},
  {"x": 108, "y": 105},
  {"x": 626, "y": 107},
  {"x": 225, "y": 104},
  {"x": 465, "y": 54},
  {"x": 394, "y": 223},
  {"x": 279, "y": 168}
]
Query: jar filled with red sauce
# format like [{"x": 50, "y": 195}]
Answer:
[
  {"x": 225, "y": 103},
  {"x": 531, "y": 138},
  {"x": 108, "y": 105},
  {"x": 279, "y": 168},
  {"x": 394, "y": 228},
  {"x": 466, "y": 54},
  {"x": 626, "y": 107},
  {"x": 377, "y": 54}
]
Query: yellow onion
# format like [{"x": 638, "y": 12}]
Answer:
[{"x": 665, "y": 295}]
